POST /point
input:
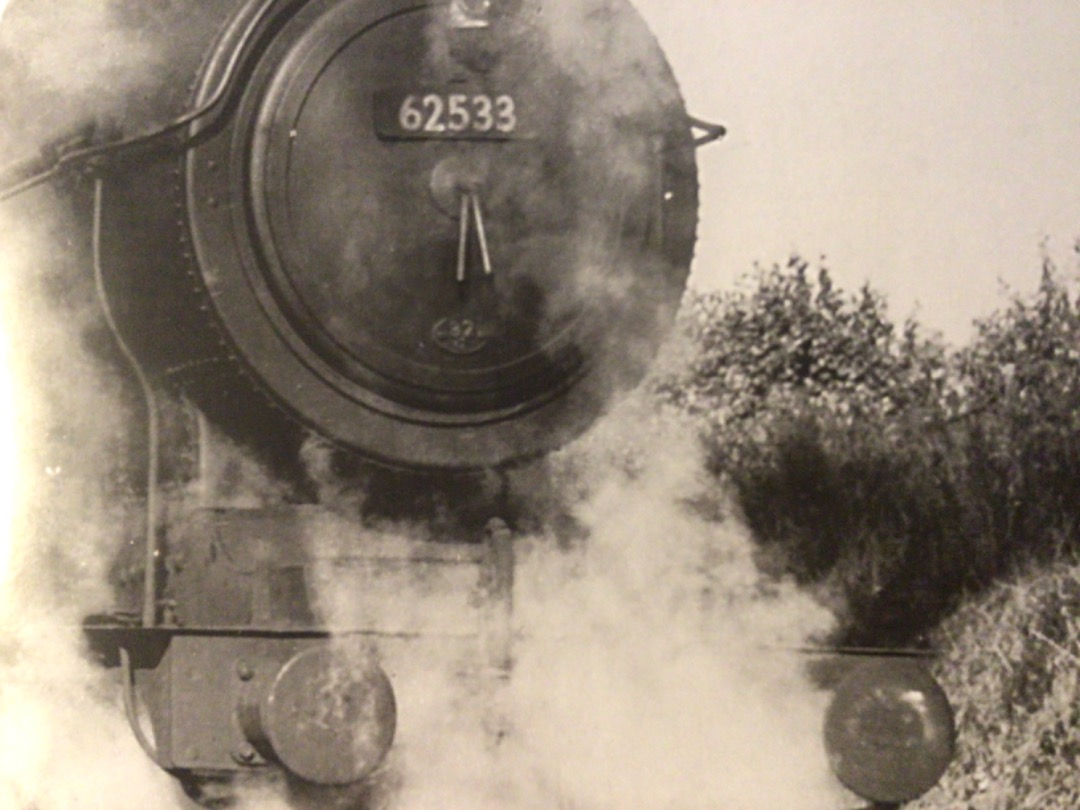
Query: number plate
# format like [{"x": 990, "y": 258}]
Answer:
[{"x": 446, "y": 115}]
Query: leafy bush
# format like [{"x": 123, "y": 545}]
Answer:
[
  {"x": 793, "y": 338},
  {"x": 875, "y": 463},
  {"x": 1021, "y": 379}
]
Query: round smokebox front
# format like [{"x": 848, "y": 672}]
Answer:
[{"x": 447, "y": 247}]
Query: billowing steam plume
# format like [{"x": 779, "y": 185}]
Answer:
[{"x": 650, "y": 668}]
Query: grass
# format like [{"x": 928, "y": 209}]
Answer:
[{"x": 1012, "y": 670}]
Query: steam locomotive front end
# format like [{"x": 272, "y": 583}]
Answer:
[
  {"x": 436, "y": 237},
  {"x": 439, "y": 235},
  {"x": 426, "y": 240}
]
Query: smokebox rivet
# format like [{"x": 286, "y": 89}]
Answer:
[{"x": 245, "y": 671}]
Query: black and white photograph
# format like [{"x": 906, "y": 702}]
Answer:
[{"x": 539, "y": 405}]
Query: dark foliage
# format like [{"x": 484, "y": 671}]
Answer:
[{"x": 876, "y": 463}]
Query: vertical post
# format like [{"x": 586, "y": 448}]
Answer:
[{"x": 497, "y": 587}]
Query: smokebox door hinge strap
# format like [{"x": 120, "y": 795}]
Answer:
[{"x": 709, "y": 132}]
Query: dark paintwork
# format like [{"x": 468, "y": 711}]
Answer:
[{"x": 296, "y": 257}]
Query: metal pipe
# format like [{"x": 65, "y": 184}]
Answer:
[
  {"x": 149, "y": 606},
  {"x": 130, "y": 708}
]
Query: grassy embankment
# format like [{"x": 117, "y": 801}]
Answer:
[{"x": 1012, "y": 669}]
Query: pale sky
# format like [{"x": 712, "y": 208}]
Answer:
[{"x": 927, "y": 146}]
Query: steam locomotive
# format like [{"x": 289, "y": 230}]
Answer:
[{"x": 421, "y": 240}]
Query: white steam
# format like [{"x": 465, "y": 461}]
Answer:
[
  {"x": 9, "y": 443},
  {"x": 72, "y": 62},
  {"x": 64, "y": 742},
  {"x": 642, "y": 674}
]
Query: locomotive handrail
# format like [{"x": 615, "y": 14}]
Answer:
[{"x": 30, "y": 171}]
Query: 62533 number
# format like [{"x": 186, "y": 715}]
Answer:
[{"x": 445, "y": 115}]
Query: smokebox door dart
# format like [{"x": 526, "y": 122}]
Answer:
[
  {"x": 481, "y": 234},
  {"x": 468, "y": 212},
  {"x": 463, "y": 236}
]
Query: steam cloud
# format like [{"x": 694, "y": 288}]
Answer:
[
  {"x": 63, "y": 741},
  {"x": 642, "y": 673}
]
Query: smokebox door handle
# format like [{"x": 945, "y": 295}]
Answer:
[{"x": 709, "y": 132}]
